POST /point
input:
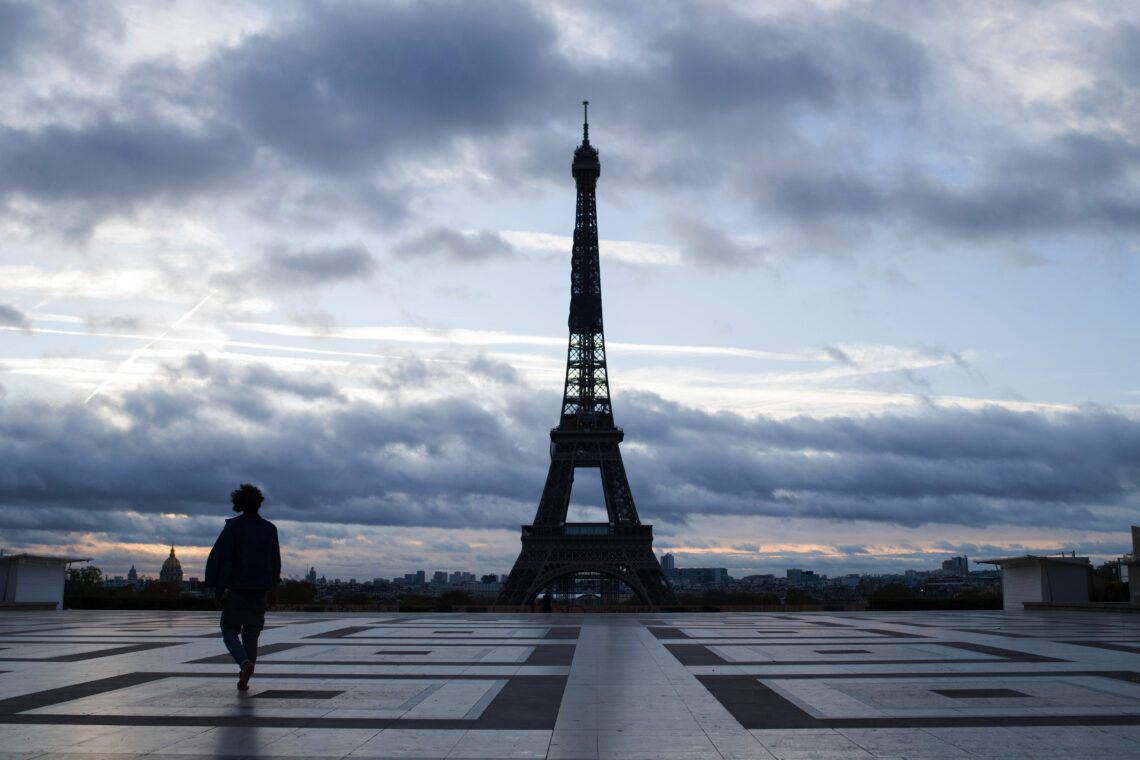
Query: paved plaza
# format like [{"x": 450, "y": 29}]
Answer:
[{"x": 111, "y": 685}]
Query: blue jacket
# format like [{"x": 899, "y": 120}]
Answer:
[{"x": 246, "y": 556}]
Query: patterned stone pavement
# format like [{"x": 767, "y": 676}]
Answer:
[{"x": 116, "y": 685}]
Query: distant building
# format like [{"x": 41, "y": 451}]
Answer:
[
  {"x": 439, "y": 578},
  {"x": 418, "y": 578},
  {"x": 802, "y": 578},
  {"x": 132, "y": 575},
  {"x": 959, "y": 566},
  {"x": 171, "y": 569},
  {"x": 311, "y": 576},
  {"x": 698, "y": 577},
  {"x": 668, "y": 562},
  {"x": 479, "y": 588}
]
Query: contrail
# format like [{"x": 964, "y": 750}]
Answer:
[{"x": 140, "y": 351}]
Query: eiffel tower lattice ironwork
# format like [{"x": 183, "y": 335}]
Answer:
[{"x": 586, "y": 437}]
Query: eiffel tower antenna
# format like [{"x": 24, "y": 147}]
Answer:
[
  {"x": 556, "y": 553},
  {"x": 585, "y": 122}
]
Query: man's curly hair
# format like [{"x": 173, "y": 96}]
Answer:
[{"x": 247, "y": 498}]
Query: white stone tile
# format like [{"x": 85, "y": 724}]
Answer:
[
  {"x": 227, "y": 740},
  {"x": 573, "y": 745},
  {"x": 139, "y": 739},
  {"x": 637, "y": 745},
  {"x": 738, "y": 745},
  {"x": 502, "y": 744},
  {"x": 310, "y": 742},
  {"x": 410, "y": 743}
]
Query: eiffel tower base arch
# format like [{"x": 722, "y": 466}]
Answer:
[{"x": 621, "y": 552}]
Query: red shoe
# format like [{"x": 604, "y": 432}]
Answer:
[{"x": 243, "y": 680}]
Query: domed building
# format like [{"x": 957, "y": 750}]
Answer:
[{"x": 171, "y": 569}]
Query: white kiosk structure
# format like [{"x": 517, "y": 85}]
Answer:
[
  {"x": 33, "y": 580},
  {"x": 1042, "y": 578}
]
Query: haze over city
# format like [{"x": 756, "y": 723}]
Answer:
[{"x": 869, "y": 275}]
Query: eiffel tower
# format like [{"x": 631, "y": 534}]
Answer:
[{"x": 586, "y": 437}]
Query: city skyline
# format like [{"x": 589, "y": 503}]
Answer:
[
  {"x": 869, "y": 274},
  {"x": 287, "y": 573}
]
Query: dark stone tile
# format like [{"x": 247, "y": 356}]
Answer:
[
  {"x": 981, "y": 693},
  {"x": 695, "y": 654},
  {"x": 842, "y": 651},
  {"x": 1112, "y": 646},
  {"x": 225, "y": 658},
  {"x": 551, "y": 654},
  {"x": 76, "y": 691},
  {"x": 296, "y": 694},
  {"x": 1011, "y": 655},
  {"x": 996, "y": 632},
  {"x": 94, "y": 655},
  {"x": 524, "y": 703},
  {"x": 340, "y": 633},
  {"x": 754, "y": 705},
  {"x": 892, "y": 634}
]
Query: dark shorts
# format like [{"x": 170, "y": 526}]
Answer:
[{"x": 243, "y": 607}]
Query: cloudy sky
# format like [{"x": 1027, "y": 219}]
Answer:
[{"x": 869, "y": 275}]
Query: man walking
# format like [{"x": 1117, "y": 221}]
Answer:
[{"x": 244, "y": 567}]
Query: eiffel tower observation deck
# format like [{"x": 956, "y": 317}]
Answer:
[{"x": 568, "y": 557}]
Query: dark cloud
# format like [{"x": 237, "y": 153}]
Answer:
[
  {"x": 286, "y": 269},
  {"x": 838, "y": 355},
  {"x": 408, "y": 372},
  {"x": 811, "y": 193},
  {"x": 703, "y": 245},
  {"x": 726, "y": 63},
  {"x": 17, "y": 21},
  {"x": 1072, "y": 182},
  {"x": 970, "y": 468},
  {"x": 110, "y": 165},
  {"x": 257, "y": 377},
  {"x": 186, "y": 444},
  {"x": 32, "y": 34},
  {"x": 360, "y": 82},
  {"x": 323, "y": 114},
  {"x": 1123, "y": 52},
  {"x": 318, "y": 266},
  {"x": 329, "y": 458},
  {"x": 10, "y": 316},
  {"x": 116, "y": 323},
  {"x": 492, "y": 369},
  {"x": 455, "y": 246},
  {"x": 120, "y": 160}
]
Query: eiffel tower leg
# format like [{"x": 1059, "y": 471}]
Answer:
[
  {"x": 519, "y": 585},
  {"x": 559, "y": 482},
  {"x": 615, "y": 485},
  {"x": 519, "y": 588}
]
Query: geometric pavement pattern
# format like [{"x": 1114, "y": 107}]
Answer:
[{"x": 957, "y": 684}]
